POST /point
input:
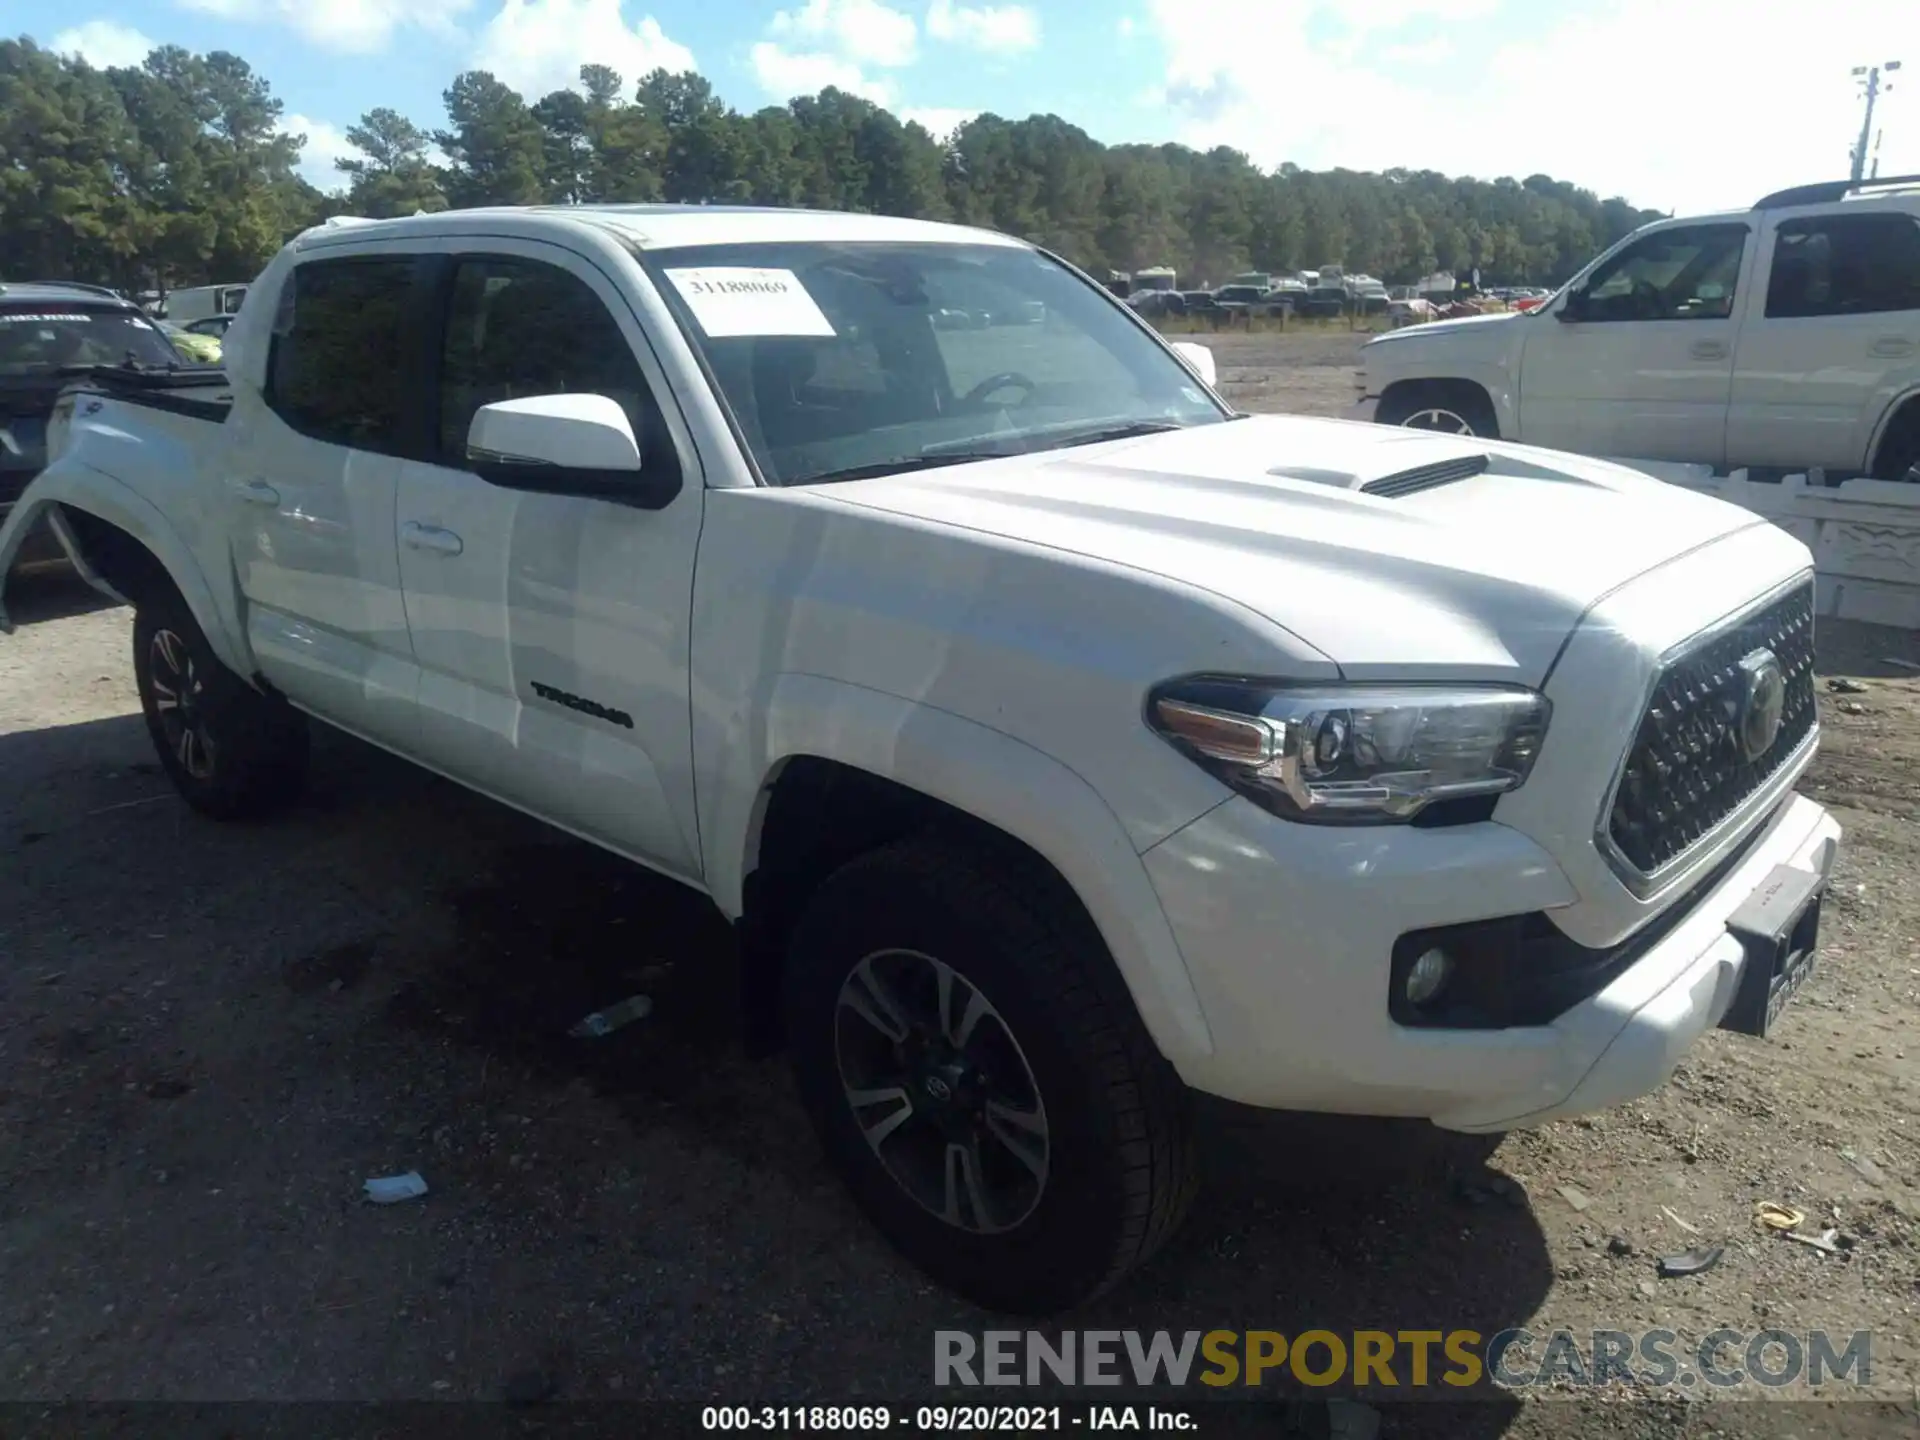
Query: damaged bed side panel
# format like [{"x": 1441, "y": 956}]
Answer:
[{"x": 144, "y": 469}]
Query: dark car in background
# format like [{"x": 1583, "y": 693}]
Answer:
[
  {"x": 1237, "y": 300},
  {"x": 49, "y": 333},
  {"x": 1152, "y": 304},
  {"x": 1325, "y": 302},
  {"x": 1200, "y": 304}
]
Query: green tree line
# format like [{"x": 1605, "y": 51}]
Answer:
[{"x": 176, "y": 172}]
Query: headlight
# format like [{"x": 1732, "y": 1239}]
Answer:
[{"x": 1354, "y": 754}]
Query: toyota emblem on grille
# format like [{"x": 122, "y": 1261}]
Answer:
[{"x": 1762, "y": 700}]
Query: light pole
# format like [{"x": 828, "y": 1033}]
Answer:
[{"x": 1870, "y": 86}]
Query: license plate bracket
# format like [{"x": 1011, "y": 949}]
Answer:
[{"x": 1779, "y": 930}]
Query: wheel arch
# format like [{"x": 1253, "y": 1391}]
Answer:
[
  {"x": 1456, "y": 385},
  {"x": 856, "y": 769},
  {"x": 121, "y": 544},
  {"x": 1902, "y": 416}
]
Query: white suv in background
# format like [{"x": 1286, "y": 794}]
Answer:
[{"x": 1784, "y": 335}]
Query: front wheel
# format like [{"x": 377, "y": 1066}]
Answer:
[
  {"x": 1448, "y": 407},
  {"x": 232, "y": 752},
  {"x": 980, "y": 1080}
]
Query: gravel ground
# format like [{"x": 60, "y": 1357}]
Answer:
[{"x": 210, "y": 1036}]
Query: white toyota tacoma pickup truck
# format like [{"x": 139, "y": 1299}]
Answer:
[
  {"x": 1061, "y": 742},
  {"x": 1787, "y": 335}
]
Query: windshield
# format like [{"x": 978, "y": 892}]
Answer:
[
  {"x": 47, "y": 336},
  {"x": 840, "y": 360}
]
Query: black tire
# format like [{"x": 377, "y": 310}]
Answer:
[
  {"x": 1425, "y": 406},
  {"x": 247, "y": 755},
  {"x": 1118, "y": 1154},
  {"x": 1900, "y": 452}
]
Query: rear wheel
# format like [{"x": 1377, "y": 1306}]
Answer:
[
  {"x": 981, "y": 1081},
  {"x": 232, "y": 752},
  {"x": 1900, "y": 453},
  {"x": 1450, "y": 407}
]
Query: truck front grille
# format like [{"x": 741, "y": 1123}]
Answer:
[{"x": 1688, "y": 770}]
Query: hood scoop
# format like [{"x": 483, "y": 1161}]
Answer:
[
  {"x": 1427, "y": 477},
  {"x": 1395, "y": 484}
]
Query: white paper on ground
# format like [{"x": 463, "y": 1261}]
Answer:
[
  {"x": 732, "y": 300},
  {"x": 392, "y": 1189}
]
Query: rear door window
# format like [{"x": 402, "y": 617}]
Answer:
[
  {"x": 334, "y": 370},
  {"x": 1844, "y": 265}
]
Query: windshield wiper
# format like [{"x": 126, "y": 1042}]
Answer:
[
  {"x": 1126, "y": 431},
  {"x": 1053, "y": 440},
  {"x": 40, "y": 369},
  {"x": 901, "y": 465}
]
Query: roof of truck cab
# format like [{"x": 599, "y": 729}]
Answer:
[{"x": 661, "y": 227}]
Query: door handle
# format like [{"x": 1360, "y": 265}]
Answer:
[
  {"x": 430, "y": 537},
  {"x": 1709, "y": 349},
  {"x": 256, "y": 492},
  {"x": 1892, "y": 347}
]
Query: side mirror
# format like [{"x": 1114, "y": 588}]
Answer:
[
  {"x": 1573, "y": 308},
  {"x": 564, "y": 445},
  {"x": 1199, "y": 357}
]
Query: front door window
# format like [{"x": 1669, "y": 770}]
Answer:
[{"x": 1683, "y": 274}]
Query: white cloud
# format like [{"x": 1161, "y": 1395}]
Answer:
[
  {"x": 1003, "y": 29},
  {"x": 863, "y": 31},
  {"x": 939, "y": 121},
  {"x": 350, "y": 26},
  {"x": 1433, "y": 50},
  {"x": 538, "y": 46},
  {"x": 834, "y": 42},
  {"x": 325, "y": 144},
  {"x": 1614, "y": 95},
  {"x": 784, "y": 74},
  {"x": 104, "y": 44},
  {"x": 1386, "y": 16}
]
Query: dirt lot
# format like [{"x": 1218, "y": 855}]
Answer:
[{"x": 209, "y": 1036}]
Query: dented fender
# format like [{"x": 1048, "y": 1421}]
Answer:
[{"x": 73, "y": 486}]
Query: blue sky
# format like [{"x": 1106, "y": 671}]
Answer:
[{"x": 1687, "y": 106}]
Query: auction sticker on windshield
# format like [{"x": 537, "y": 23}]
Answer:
[{"x": 730, "y": 301}]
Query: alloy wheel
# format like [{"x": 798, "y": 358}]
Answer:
[
  {"x": 179, "y": 699},
  {"x": 943, "y": 1093},
  {"x": 1447, "y": 422}
]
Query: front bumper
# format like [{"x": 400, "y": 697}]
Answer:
[{"x": 1287, "y": 928}]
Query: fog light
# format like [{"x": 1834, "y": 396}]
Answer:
[{"x": 1428, "y": 976}]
